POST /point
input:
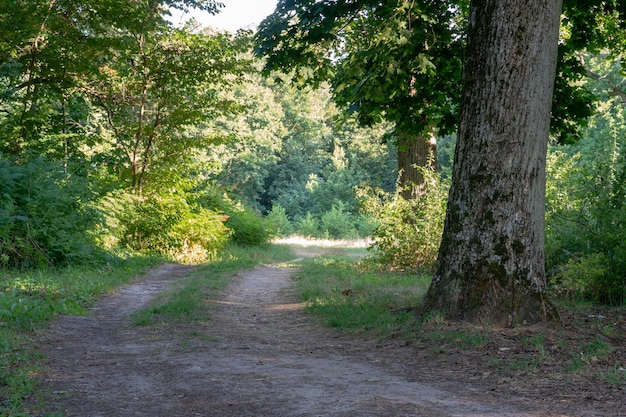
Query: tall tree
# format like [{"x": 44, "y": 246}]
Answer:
[
  {"x": 161, "y": 82},
  {"x": 396, "y": 60},
  {"x": 490, "y": 266},
  {"x": 79, "y": 80}
]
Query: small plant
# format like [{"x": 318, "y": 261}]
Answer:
[
  {"x": 279, "y": 222},
  {"x": 598, "y": 349},
  {"x": 616, "y": 375},
  {"x": 308, "y": 226},
  {"x": 537, "y": 342}
]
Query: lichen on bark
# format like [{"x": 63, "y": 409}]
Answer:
[{"x": 490, "y": 267}]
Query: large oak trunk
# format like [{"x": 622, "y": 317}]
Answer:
[{"x": 490, "y": 267}]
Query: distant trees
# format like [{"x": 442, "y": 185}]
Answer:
[
  {"x": 398, "y": 61},
  {"x": 295, "y": 151}
]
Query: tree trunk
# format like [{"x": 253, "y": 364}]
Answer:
[
  {"x": 415, "y": 152},
  {"x": 490, "y": 267}
]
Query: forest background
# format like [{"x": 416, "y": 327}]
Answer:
[
  {"x": 125, "y": 134},
  {"x": 123, "y": 137}
]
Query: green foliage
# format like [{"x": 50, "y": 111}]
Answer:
[
  {"x": 171, "y": 226},
  {"x": 247, "y": 228},
  {"x": 409, "y": 231},
  {"x": 294, "y": 150},
  {"x": 308, "y": 226},
  {"x": 584, "y": 277},
  {"x": 338, "y": 223},
  {"x": 125, "y": 94},
  {"x": 379, "y": 63},
  {"x": 46, "y": 215},
  {"x": 279, "y": 222},
  {"x": 586, "y": 219},
  {"x": 171, "y": 79}
]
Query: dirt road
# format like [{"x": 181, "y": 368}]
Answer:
[{"x": 260, "y": 355}]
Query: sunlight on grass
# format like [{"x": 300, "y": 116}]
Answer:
[
  {"x": 323, "y": 243},
  {"x": 349, "y": 297},
  {"x": 189, "y": 302}
]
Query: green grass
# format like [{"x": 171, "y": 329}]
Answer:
[
  {"x": 348, "y": 297},
  {"x": 188, "y": 302},
  {"x": 30, "y": 300}
]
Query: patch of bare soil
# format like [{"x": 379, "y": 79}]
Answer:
[{"x": 262, "y": 355}]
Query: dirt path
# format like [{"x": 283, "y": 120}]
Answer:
[{"x": 262, "y": 356}]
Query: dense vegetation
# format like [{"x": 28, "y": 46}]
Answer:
[
  {"x": 160, "y": 140},
  {"x": 125, "y": 141}
]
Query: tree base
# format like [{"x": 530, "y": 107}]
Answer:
[{"x": 491, "y": 310}]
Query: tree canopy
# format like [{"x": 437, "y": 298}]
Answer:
[
  {"x": 154, "y": 137},
  {"x": 360, "y": 46}
]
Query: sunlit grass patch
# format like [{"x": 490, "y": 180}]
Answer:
[{"x": 349, "y": 297}]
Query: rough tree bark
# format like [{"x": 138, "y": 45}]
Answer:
[
  {"x": 415, "y": 152},
  {"x": 490, "y": 267}
]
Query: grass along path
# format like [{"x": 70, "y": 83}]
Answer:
[
  {"x": 31, "y": 301},
  {"x": 577, "y": 369}
]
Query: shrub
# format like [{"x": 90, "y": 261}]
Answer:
[
  {"x": 366, "y": 225},
  {"x": 583, "y": 277},
  {"x": 247, "y": 228},
  {"x": 338, "y": 223},
  {"x": 279, "y": 222},
  {"x": 409, "y": 231},
  {"x": 308, "y": 226},
  {"x": 46, "y": 215},
  {"x": 199, "y": 236},
  {"x": 170, "y": 226}
]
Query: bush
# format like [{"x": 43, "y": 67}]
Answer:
[
  {"x": 338, "y": 223},
  {"x": 584, "y": 277},
  {"x": 199, "y": 235},
  {"x": 247, "y": 228},
  {"x": 308, "y": 226},
  {"x": 409, "y": 231},
  {"x": 170, "y": 226},
  {"x": 279, "y": 222},
  {"x": 585, "y": 227},
  {"x": 46, "y": 216}
]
